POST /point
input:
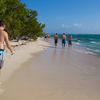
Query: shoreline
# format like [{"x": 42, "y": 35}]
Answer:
[{"x": 79, "y": 48}]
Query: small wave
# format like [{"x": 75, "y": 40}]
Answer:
[
  {"x": 93, "y": 42},
  {"x": 95, "y": 50},
  {"x": 98, "y": 51},
  {"x": 79, "y": 40},
  {"x": 88, "y": 49},
  {"x": 86, "y": 52},
  {"x": 77, "y": 43}
]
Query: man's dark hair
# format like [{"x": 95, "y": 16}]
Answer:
[{"x": 1, "y": 23}]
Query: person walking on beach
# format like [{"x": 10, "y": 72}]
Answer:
[
  {"x": 69, "y": 40},
  {"x": 46, "y": 36},
  {"x": 56, "y": 39},
  {"x": 4, "y": 39},
  {"x": 63, "y": 39}
]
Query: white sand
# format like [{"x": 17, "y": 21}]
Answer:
[{"x": 22, "y": 55}]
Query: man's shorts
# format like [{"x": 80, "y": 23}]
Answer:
[
  {"x": 63, "y": 41},
  {"x": 56, "y": 41},
  {"x": 70, "y": 42},
  {"x": 1, "y": 58}
]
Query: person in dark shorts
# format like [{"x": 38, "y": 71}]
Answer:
[
  {"x": 63, "y": 40},
  {"x": 56, "y": 39},
  {"x": 45, "y": 36},
  {"x": 70, "y": 40}
]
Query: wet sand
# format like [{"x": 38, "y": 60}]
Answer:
[{"x": 55, "y": 74}]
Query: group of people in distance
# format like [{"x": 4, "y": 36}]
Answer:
[
  {"x": 63, "y": 37},
  {"x": 46, "y": 36}
]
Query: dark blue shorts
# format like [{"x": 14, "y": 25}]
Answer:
[
  {"x": 56, "y": 41},
  {"x": 63, "y": 41},
  {"x": 70, "y": 42}
]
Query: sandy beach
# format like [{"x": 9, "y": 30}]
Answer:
[
  {"x": 24, "y": 52},
  {"x": 52, "y": 74}
]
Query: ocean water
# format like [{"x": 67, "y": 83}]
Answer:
[{"x": 91, "y": 42}]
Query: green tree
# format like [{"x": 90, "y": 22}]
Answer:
[{"x": 19, "y": 20}]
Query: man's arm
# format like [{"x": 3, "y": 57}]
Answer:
[{"x": 8, "y": 43}]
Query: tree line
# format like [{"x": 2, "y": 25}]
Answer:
[{"x": 20, "y": 21}]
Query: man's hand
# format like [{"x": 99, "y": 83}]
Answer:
[{"x": 13, "y": 52}]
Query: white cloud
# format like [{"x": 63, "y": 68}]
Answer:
[
  {"x": 77, "y": 25},
  {"x": 65, "y": 26},
  {"x": 71, "y": 26}
]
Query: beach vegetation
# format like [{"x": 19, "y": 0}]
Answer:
[{"x": 20, "y": 21}]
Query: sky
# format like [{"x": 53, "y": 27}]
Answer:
[{"x": 69, "y": 16}]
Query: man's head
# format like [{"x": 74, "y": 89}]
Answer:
[{"x": 2, "y": 25}]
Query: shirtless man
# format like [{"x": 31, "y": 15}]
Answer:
[
  {"x": 56, "y": 39},
  {"x": 4, "y": 39},
  {"x": 70, "y": 40},
  {"x": 63, "y": 40}
]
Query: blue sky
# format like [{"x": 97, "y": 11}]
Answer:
[{"x": 70, "y": 16}]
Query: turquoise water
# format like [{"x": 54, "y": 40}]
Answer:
[{"x": 90, "y": 42}]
